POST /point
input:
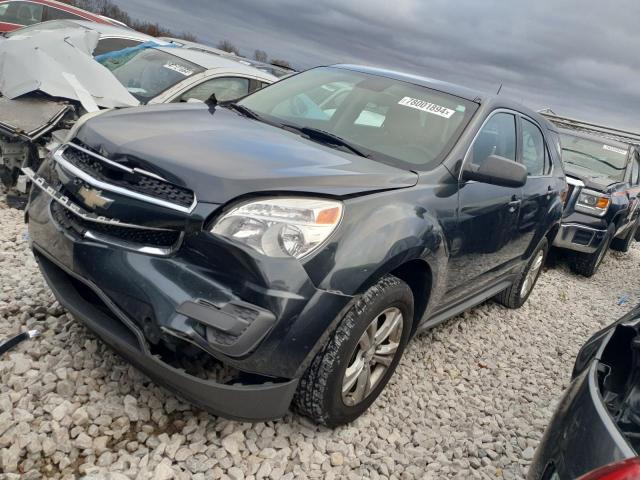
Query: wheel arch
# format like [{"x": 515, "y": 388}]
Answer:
[{"x": 419, "y": 273}]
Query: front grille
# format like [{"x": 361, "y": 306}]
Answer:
[
  {"x": 128, "y": 178},
  {"x": 136, "y": 236}
]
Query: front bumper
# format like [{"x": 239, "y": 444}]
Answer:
[
  {"x": 253, "y": 402},
  {"x": 262, "y": 317},
  {"x": 580, "y": 238}
]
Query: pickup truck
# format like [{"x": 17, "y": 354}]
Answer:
[{"x": 601, "y": 209}]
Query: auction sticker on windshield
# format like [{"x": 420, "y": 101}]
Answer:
[
  {"x": 614, "y": 149},
  {"x": 179, "y": 68},
  {"x": 428, "y": 107}
]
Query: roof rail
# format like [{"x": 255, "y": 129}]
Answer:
[{"x": 611, "y": 133}]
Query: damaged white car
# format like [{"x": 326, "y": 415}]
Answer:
[{"x": 78, "y": 69}]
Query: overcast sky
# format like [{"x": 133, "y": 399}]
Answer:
[{"x": 579, "y": 57}]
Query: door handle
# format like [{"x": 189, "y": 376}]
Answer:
[
  {"x": 513, "y": 205},
  {"x": 549, "y": 192}
]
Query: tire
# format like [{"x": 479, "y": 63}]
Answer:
[
  {"x": 320, "y": 393},
  {"x": 587, "y": 264},
  {"x": 517, "y": 294},
  {"x": 624, "y": 244}
]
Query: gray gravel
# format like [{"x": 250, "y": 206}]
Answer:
[{"x": 469, "y": 400}]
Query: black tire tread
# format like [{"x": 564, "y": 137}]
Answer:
[
  {"x": 308, "y": 398},
  {"x": 586, "y": 264},
  {"x": 624, "y": 244},
  {"x": 510, "y": 297}
]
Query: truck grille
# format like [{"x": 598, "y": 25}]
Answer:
[
  {"x": 126, "y": 177},
  {"x": 134, "y": 236}
]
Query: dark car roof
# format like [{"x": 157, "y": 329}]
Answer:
[{"x": 488, "y": 100}]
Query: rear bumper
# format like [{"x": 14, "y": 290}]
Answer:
[
  {"x": 581, "y": 436},
  {"x": 580, "y": 238},
  {"x": 253, "y": 402}
]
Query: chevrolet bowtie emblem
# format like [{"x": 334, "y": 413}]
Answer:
[{"x": 94, "y": 198}]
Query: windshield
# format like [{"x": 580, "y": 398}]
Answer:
[
  {"x": 388, "y": 120},
  {"x": 598, "y": 157},
  {"x": 147, "y": 72}
]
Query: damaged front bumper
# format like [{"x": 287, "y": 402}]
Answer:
[
  {"x": 260, "y": 316},
  {"x": 243, "y": 401}
]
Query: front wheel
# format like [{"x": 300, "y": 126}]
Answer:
[
  {"x": 520, "y": 289},
  {"x": 624, "y": 244},
  {"x": 349, "y": 373},
  {"x": 587, "y": 264}
]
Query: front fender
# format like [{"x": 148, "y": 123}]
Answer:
[{"x": 380, "y": 233}]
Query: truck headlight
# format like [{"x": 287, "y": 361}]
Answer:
[
  {"x": 281, "y": 227},
  {"x": 593, "y": 203}
]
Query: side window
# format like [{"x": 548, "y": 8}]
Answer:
[
  {"x": 107, "y": 45},
  {"x": 51, "y": 13},
  {"x": 533, "y": 149},
  {"x": 255, "y": 85},
  {"x": 497, "y": 137},
  {"x": 21, "y": 13},
  {"x": 225, "y": 88}
]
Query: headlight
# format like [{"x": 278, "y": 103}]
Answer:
[
  {"x": 593, "y": 203},
  {"x": 281, "y": 227}
]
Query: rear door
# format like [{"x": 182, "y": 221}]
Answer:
[
  {"x": 487, "y": 214},
  {"x": 540, "y": 189}
]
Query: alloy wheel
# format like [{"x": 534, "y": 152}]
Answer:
[
  {"x": 373, "y": 355},
  {"x": 530, "y": 279}
]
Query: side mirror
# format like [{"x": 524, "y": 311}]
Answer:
[{"x": 497, "y": 170}]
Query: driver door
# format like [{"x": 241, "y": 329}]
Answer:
[{"x": 484, "y": 245}]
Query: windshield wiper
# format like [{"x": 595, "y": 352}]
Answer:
[
  {"x": 241, "y": 109},
  {"x": 593, "y": 157},
  {"x": 326, "y": 138}
]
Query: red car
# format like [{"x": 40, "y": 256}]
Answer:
[{"x": 16, "y": 14}]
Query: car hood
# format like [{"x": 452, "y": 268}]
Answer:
[
  {"x": 60, "y": 64},
  {"x": 599, "y": 183},
  {"x": 221, "y": 155}
]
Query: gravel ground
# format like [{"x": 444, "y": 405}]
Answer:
[{"x": 469, "y": 400}]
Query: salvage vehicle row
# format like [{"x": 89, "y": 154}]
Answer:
[
  {"x": 603, "y": 171},
  {"x": 81, "y": 67}
]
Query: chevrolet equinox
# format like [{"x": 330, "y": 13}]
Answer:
[{"x": 289, "y": 244}]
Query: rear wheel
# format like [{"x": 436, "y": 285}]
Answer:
[
  {"x": 519, "y": 291},
  {"x": 587, "y": 264},
  {"x": 624, "y": 244},
  {"x": 349, "y": 373}
]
